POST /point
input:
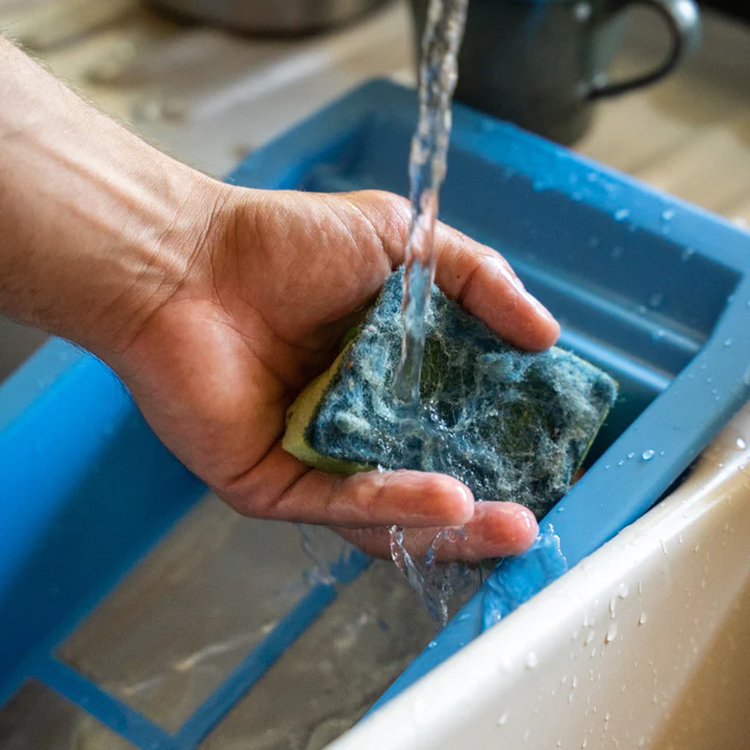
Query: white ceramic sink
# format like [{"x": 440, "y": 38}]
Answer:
[{"x": 646, "y": 643}]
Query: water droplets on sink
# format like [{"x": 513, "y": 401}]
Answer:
[
  {"x": 656, "y": 300},
  {"x": 611, "y": 633}
]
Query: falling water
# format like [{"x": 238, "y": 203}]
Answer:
[
  {"x": 434, "y": 584},
  {"x": 427, "y": 166}
]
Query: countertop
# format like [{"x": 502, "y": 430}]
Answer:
[{"x": 210, "y": 97}]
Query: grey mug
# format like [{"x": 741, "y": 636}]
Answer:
[{"x": 543, "y": 63}]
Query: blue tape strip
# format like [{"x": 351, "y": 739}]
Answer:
[
  {"x": 255, "y": 665},
  {"x": 119, "y": 717},
  {"x": 267, "y": 653}
]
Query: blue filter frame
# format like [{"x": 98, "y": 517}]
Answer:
[{"x": 651, "y": 289}]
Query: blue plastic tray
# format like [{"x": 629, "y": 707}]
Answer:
[{"x": 654, "y": 290}]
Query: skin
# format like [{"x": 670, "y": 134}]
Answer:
[{"x": 216, "y": 304}]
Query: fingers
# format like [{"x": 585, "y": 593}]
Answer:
[
  {"x": 361, "y": 507},
  {"x": 496, "y": 530},
  {"x": 488, "y": 288},
  {"x": 281, "y": 487},
  {"x": 468, "y": 272}
]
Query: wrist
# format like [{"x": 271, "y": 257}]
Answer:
[
  {"x": 156, "y": 253},
  {"x": 100, "y": 229}
]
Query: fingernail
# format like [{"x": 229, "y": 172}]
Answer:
[
  {"x": 538, "y": 306},
  {"x": 465, "y": 492},
  {"x": 508, "y": 275},
  {"x": 518, "y": 285},
  {"x": 466, "y": 500}
]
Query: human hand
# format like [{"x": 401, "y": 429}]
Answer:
[
  {"x": 217, "y": 304},
  {"x": 271, "y": 286}
]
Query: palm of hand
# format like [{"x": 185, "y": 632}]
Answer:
[{"x": 275, "y": 282}]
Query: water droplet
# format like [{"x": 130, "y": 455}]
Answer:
[
  {"x": 679, "y": 538},
  {"x": 622, "y": 214},
  {"x": 642, "y": 619},
  {"x": 656, "y": 300},
  {"x": 606, "y": 466},
  {"x": 611, "y": 633},
  {"x": 589, "y": 637},
  {"x": 501, "y": 721},
  {"x": 663, "y": 546},
  {"x": 697, "y": 547},
  {"x": 668, "y": 214},
  {"x": 623, "y": 591},
  {"x": 687, "y": 253},
  {"x": 432, "y": 644},
  {"x": 727, "y": 342},
  {"x": 531, "y": 660},
  {"x": 658, "y": 335},
  {"x": 642, "y": 309},
  {"x": 740, "y": 444},
  {"x": 631, "y": 455},
  {"x": 662, "y": 453},
  {"x": 621, "y": 462},
  {"x": 648, "y": 455}
]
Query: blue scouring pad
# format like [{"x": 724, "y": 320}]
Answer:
[{"x": 511, "y": 425}]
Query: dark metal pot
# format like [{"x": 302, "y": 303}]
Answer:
[{"x": 284, "y": 17}]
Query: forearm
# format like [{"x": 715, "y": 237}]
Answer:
[{"x": 96, "y": 224}]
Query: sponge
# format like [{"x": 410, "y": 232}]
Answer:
[{"x": 511, "y": 425}]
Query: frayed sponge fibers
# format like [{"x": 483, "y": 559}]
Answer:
[{"x": 511, "y": 425}]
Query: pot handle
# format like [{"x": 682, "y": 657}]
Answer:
[{"x": 683, "y": 19}]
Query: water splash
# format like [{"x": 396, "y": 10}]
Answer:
[
  {"x": 441, "y": 587},
  {"x": 332, "y": 556},
  {"x": 516, "y": 580}
]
